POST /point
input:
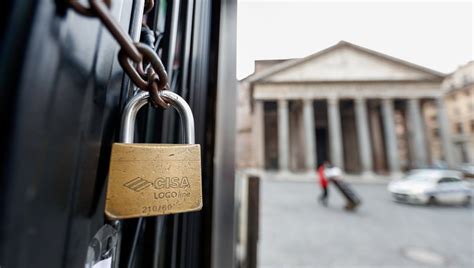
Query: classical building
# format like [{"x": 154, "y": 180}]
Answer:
[
  {"x": 360, "y": 109},
  {"x": 459, "y": 100}
]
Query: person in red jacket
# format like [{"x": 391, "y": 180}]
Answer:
[{"x": 323, "y": 181}]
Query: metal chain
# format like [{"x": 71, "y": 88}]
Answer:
[
  {"x": 131, "y": 55},
  {"x": 86, "y": 11},
  {"x": 149, "y": 4}
]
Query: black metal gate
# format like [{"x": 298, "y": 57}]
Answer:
[{"x": 61, "y": 94}]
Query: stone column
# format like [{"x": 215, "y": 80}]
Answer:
[
  {"x": 377, "y": 141},
  {"x": 335, "y": 135},
  {"x": 363, "y": 136},
  {"x": 283, "y": 135},
  {"x": 393, "y": 156},
  {"x": 258, "y": 129},
  {"x": 444, "y": 133},
  {"x": 309, "y": 135},
  {"x": 417, "y": 131}
]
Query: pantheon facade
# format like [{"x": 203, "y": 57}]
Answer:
[{"x": 357, "y": 108}]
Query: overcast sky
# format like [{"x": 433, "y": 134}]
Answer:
[{"x": 436, "y": 35}]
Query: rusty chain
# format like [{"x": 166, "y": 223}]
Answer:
[
  {"x": 149, "y": 4},
  {"x": 131, "y": 55}
]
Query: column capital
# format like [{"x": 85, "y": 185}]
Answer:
[
  {"x": 283, "y": 102},
  {"x": 307, "y": 101},
  {"x": 333, "y": 100},
  {"x": 387, "y": 101},
  {"x": 258, "y": 102},
  {"x": 360, "y": 99},
  {"x": 439, "y": 101}
]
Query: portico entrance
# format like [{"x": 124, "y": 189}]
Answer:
[{"x": 357, "y": 108}]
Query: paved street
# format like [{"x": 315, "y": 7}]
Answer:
[{"x": 298, "y": 232}]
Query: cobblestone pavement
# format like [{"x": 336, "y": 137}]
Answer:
[{"x": 296, "y": 231}]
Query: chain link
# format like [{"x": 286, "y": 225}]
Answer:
[
  {"x": 149, "y": 4},
  {"x": 132, "y": 56},
  {"x": 136, "y": 74},
  {"x": 86, "y": 11},
  {"x": 154, "y": 90}
]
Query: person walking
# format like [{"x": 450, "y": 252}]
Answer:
[
  {"x": 334, "y": 175},
  {"x": 323, "y": 182}
]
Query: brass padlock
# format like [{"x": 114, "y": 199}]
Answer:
[{"x": 154, "y": 179}]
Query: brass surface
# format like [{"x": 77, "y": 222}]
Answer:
[{"x": 153, "y": 179}]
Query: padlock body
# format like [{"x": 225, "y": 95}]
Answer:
[{"x": 153, "y": 179}]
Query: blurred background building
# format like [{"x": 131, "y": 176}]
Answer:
[
  {"x": 362, "y": 110},
  {"x": 458, "y": 88}
]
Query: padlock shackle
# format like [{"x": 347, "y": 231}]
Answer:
[{"x": 139, "y": 100}]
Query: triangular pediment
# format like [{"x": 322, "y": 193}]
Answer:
[{"x": 347, "y": 62}]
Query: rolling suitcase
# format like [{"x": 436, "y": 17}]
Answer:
[{"x": 352, "y": 198}]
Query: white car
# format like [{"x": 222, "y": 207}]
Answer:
[
  {"x": 467, "y": 169},
  {"x": 430, "y": 186}
]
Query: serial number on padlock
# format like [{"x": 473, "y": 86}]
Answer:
[{"x": 156, "y": 208}]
